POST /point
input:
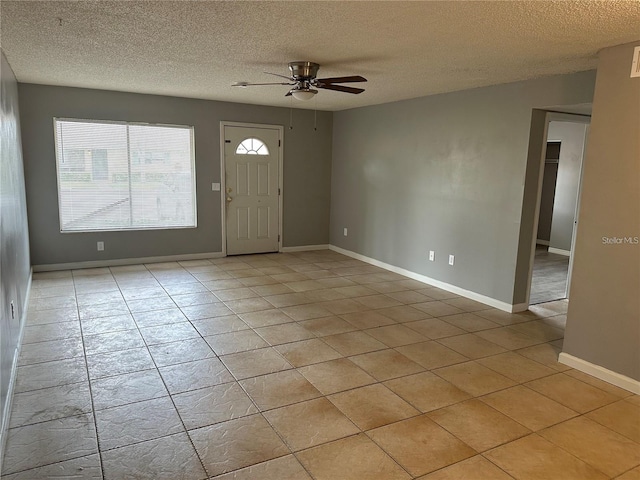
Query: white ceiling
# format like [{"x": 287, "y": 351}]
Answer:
[{"x": 405, "y": 49}]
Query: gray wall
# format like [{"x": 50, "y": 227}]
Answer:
[
  {"x": 14, "y": 236},
  {"x": 307, "y": 171},
  {"x": 572, "y": 138},
  {"x": 603, "y": 322},
  {"x": 443, "y": 173}
]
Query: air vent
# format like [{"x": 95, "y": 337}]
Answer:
[{"x": 635, "y": 66}]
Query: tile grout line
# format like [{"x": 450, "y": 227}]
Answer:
[
  {"x": 157, "y": 369},
  {"x": 86, "y": 366},
  {"x": 259, "y": 411}
]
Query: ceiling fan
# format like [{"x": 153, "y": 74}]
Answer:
[{"x": 304, "y": 82}]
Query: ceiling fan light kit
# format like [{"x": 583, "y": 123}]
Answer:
[
  {"x": 304, "y": 82},
  {"x": 304, "y": 95}
]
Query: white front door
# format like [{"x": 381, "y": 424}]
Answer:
[{"x": 252, "y": 159}]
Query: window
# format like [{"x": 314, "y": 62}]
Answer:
[
  {"x": 124, "y": 176},
  {"x": 252, "y": 146}
]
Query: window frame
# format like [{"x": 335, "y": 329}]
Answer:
[{"x": 192, "y": 160}]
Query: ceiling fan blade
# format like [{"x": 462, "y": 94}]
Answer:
[
  {"x": 289, "y": 93},
  {"x": 341, "y": 88},
  {"x": 278, "y": 75},
  {"x": 351, "y": 79},
  {"x": 246, "y": 84}
]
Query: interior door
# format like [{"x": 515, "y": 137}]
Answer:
[{"x": 252, "y": 189}]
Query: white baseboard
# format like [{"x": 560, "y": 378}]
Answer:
[
  {"x": 125, "y": 261},
  {"x": 492, "y": 302},
  {"x": 166, "y": 258},
  {"x": 602, "y": 373},
  {"x": 6, "y": 414},
  {"x": 559, "y": 251},
  {"x": 304, "y": 248},
  {"x": 519, "y": 307},
  {"x": 542, "y": 242}
]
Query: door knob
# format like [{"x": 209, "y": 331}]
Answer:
[{"x": 229, "y": 198}]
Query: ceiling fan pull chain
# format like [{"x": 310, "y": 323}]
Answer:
[
  {"x": 315, "y": 115},
  {"x": 290, "y": 113}
]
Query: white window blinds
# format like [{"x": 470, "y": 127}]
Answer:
[{"x": 124, "y": 176}]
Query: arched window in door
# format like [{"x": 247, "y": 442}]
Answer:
[{"x": 252, "y": 146}]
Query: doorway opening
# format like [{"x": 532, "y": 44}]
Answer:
[
  {"x": 558, "y": 205},
  {"x": 550, "y": 269}
]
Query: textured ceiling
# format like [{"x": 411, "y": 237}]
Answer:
[{"x": 405, "y": 49}]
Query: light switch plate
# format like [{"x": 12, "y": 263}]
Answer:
[
  {"x": 451, "y": 259},
  {"x": 215, "y": 187}
]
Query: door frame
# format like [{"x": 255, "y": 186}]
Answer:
[
  {"x": 575, "y": 217},
  {"x": 556, "y": 117},
  {"x": 223, "y": 177}
]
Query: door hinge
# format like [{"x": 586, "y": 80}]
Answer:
[
  {"x": 278, "y": 237},
  {"x": 278, "y": 190},
  {"x": 227, "y": 141},
  {"x": 279, "y": 142}
]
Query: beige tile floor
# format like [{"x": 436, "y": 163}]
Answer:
[{"x": 301, "y": 366}]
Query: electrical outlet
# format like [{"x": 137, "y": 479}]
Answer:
[
  {"x": 345, "y": 231},
  {"x": 451, "y": 258},
  {"x": 432, "y": 255},
  {"x": 100, "y": 246}
]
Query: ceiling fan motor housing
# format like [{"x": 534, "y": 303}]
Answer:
[{"x": 303, "y": 70}]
